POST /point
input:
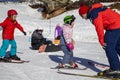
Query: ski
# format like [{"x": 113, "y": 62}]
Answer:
[
  {"x": 19, "y": 61},
  {"x": 85, "y": 75},
  {"x": 15, "y": 61},
  {"x": 68, "y": 68},
  {"x": 98, "y": 65}
]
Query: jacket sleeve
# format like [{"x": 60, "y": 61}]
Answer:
[
  {"x": 98, "y": 22},
  {"x": 19, "y": 27},
  {"x": 3, "y": 24},
  {"x": 67, "y": 35}
]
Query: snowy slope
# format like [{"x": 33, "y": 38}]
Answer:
[
  {"x": 30, "y": 19},
  {"x": 39, "y": 67},
  {"x": 86, "y": 48}
]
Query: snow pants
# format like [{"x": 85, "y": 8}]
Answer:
[
  {"x": 5, "y": 45},
  {"x": 112, "y": 39},
  {"x": 68, "y": 54}
]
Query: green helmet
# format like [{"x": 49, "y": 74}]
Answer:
[{"x": 69, "y": 19}]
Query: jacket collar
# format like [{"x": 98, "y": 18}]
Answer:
[
  {"x": 11, "y": 20},
  {"x": 94, "y": 6}
]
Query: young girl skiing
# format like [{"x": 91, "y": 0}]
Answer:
[
  {"x": 9, "y": 25},
  {"x": 66, "y": 43}
]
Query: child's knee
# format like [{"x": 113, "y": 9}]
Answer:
[
  {"x": 13, "y": 44},
  {"x": 5, "y": 45}
]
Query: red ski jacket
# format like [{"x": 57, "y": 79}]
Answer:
[
  {"x": 9, "y": 27},
  {"x": 104, "y": 19}
]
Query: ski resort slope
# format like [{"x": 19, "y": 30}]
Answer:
[{"x": 87, "y": 47}]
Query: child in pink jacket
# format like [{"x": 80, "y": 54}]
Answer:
[{"x": 66, "y": 43}]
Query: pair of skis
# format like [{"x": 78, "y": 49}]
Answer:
[
  {"x": 84, "y": 68},
  {"x": 85, "y": 75}
]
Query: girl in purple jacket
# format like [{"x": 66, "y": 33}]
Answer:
[{"x": 66, "y": 43}]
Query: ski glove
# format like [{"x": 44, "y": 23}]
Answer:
[
  {"x": 70, "y": 46},
  {"x": 25, "y": 33}
]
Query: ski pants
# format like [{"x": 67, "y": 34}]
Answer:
[
  {"x": 68, "y": 54},
  {"x": 112, "y": 39},
  {"x": 5, "y": 45}
]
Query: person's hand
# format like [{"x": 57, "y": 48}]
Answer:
[
  {"x": 104, "y": 45},
  {"x": 24, "y": 33},
  {"x": 58, "y": 38},
  {"x": 70, "y": 46}
]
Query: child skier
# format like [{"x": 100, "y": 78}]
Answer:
[
  {"x": 9, "y": 25},
  {"x": 106, "y": 19},
  {"x": 66, "y": 43}
]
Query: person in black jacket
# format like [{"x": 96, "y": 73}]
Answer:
[{"x": 38, "y": 39}]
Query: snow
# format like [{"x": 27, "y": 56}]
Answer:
[
  {"x": 31, "y": 20},
  {"x": 87, "y": 47},
  {"x": 39, "y": 67},
  {"x": 107, "y": 3}
]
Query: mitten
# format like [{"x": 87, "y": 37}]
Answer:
[
  {"x": 25, "y": 33},
  {"x": 70, "y": 46}
]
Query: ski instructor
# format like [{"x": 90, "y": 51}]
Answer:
[{"x": 104, "y": 18}]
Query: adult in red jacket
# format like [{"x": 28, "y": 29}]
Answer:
[
  {"x": 9, "y": 25},
  {"x": 106, "y": 19}
]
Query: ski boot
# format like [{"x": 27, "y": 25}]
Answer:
[
  {"x": 110, "y": 73},
  {"x": 14, "y": 57},
  {"x": 70, "y": 66},
  {"x": 60, "y": 65},
  {"x": 74, "y": 65},
  {"x": 4, "y": 59},
  {"x": 67, "y": 66}
]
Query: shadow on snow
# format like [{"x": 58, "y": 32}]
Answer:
[{"x": 81, "y": 61}]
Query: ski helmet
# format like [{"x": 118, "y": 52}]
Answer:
[
  {"x": 83, "y": 9},
  {"x": 69, "y": 19},
  {"x": 12, "y": 12}
]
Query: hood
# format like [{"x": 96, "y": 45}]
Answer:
[{"x": 98, "y": 5}]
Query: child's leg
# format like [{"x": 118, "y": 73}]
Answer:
[
  {"x": 71, "y": 57},
  {"x": 13, "y": 47},
  {"x": 4, "y": 47},
  {"x": 67, "y": 55}
]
